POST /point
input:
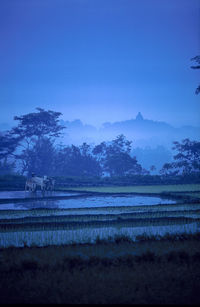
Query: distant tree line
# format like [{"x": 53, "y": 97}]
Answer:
[{"x": 32, "y": 147}]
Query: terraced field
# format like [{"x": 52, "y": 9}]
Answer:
[{"x": 82, "y": 218}]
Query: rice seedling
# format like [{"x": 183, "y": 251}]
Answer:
[
  {"x": 89, "y": 235},
  {"x": 142, "y": 189}
]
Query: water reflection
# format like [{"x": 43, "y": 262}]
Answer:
[
  {"x": 88, "y": 202},
  {"x": 51, "y": 204},
  {"x": 29, "y": 194}
]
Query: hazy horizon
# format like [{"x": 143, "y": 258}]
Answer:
[
  {"x": 13, "y": 123},
  {"x": 100, "y": 61}
]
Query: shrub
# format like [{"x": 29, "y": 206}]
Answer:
[
  {"x": 148, "y": 256},
  {"x": 172, "y": 256},
  {"x": 183, "y": 256},
  {"x": 122, "y": 238},
  {"x": 29, "y": 265},
  {"x": 196, "y": 257},
  {"x": 98, "y": 240}
]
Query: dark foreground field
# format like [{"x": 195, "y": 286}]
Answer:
[{"x": 149, "y": 271}]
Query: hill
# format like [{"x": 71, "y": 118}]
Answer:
[{"x": 143, "y": 132}]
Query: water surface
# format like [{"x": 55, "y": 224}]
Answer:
[
  {"x": 87, "y": 202},
  {"x": 27, "y": 194}
]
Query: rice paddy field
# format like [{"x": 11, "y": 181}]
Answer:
[
  {"x": 71, "y": 217},
  {"x": 129, "y": 244}
]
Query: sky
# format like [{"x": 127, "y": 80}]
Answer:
[{"x": 100, "y": 60}]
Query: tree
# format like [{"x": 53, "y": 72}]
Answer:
[
  {"x": 6, "y": 167},
  {"x": 40, "y": 124},
  {"x": 35, "y": 131},
  {"x": 76, "y": 161},
  {"x": 197, "y": 59},
  {"x": 115, "y": 158},
  {"x": 8, "y": 145},
  {"x": 40, "y": 158},
  {"x": 186, "y": 159},
  {"x": 149, "y": 157},
  {"x": 121, "y": 164}
]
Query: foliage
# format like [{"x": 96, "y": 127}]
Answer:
[
  {"x": 33, "y": 144},
  {"x": 8, "y": 144},
  {"x": 35, "y": 134},
  {"x": 152, "y": 158},
  {"x": 40, "y": 124},
  {"x": 40, "y": 158},
  {"x": 186, "y": 160},
  {"x": 83, "y": 160},
  {"x": 76, "y": 161},
  {"x": 115, "y": 157},
  {"x": 6, "y": 167}
]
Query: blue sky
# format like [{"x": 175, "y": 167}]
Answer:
[{"x": 100, "y": 60}]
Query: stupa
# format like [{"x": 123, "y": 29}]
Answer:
[{"x": 139, "y": 117}]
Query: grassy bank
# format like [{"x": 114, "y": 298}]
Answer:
[
  {"x": 144, "y": 189},
  {"x": 147, "y": 271},
  {"x": 17, "y": 182}
]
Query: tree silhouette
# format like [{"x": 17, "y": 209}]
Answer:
[
  {"x": 36, "y": 133},
  {"x": 115, "y": 158},
  {"x": 39, "y": 124},
  {"x": 186, "y": 159}
]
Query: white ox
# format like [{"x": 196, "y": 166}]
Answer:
[
  {"x": 30, "y": 185},
  {"x": 40, "y": 181},
  {"x": 45, "y": 183},
  {"x": 50, "y": 183},
  {"x": 35, "y": 181}
]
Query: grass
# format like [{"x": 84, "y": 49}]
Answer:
[
  {"x": 194, "y": 194},
  {"x": 141, "y": 189},
  {"x": 101, "y": 217},
  {"x": 44, "y": 212},
  {"x": 120, "y": 222},
  {"x": 149, "y": 271}
]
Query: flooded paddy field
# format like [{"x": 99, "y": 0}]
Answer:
[
  {"x": 10, "y": 197},
  {"x": 30, "y": 195},
  {"x": 84, "y": 218},
  {"x": 81, "y": 201}
]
